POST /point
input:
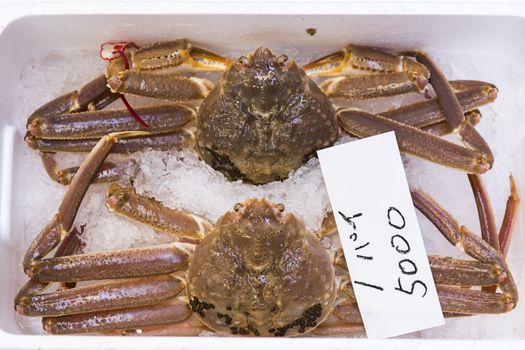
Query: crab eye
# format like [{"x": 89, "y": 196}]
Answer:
[
  {"x": 237, "y": 206},
  {"x": 282, "y": 59},
  {"x": 243, "y": 60},
  {"x": 280, "y": 207}
]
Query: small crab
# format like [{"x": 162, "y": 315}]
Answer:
[
  {"x": 256, "y": 272},
  {"x": 266, "y": 116}
]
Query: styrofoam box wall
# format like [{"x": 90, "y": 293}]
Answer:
[{"x": 31, "y": 31}]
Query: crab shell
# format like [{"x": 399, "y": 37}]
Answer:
[
  {"x": 264, "y": 119},
  {"x": 260, "y": 272}
]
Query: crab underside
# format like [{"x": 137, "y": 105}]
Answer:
[{"x": 256, "y": 271}]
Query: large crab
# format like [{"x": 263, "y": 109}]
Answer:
[{"x": 256, "y": 271}]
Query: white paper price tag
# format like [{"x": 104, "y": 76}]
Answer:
[{"x": 380, "y": 235}]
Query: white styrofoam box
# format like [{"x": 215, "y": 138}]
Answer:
[{"x": 32, "y": 29}]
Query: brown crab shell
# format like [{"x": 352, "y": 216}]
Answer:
[
  {"x": 264, "y": 119},
  {"x": 259, "y": 272}
]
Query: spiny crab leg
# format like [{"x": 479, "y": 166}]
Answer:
[
  {"x": 95, "y": 124},
  {"x": 414, "y": 141},
  {"x": 154, "y": 71},
  {"x": 187, "y": 226},
  {"x": 62, "y": 221},
  {"x": 171, "y": 312},
  {"x": 94, "y": 95}
]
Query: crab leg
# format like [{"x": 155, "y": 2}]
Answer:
[
  {"x": 468, "y": 134},
  {"x": 469, "y": 301},
  {"x": 338, "y": 329},
  {"x": 179, "y": 139},
  {"x": 428, "y": 112},
  {"x": 62, "y": 221},
  {"x": 99, "y": 297},
  {"x": 470, "y": 243},
  {"x": 414, "y": 141},
  {"x": 126, "y": 263},
  {"x": 168, "y": 57},
  {"x": 448, "y": 271},
  {"x": 95, "y": 124},
  {"x": 153, "y": 71},
  {"x": 486, "y": 215},
  {"x": 442, "y": 128},
  {"x": 459, "y": 272},
  {"x": 147, "y": 210},
  {"x": 132, "y": 318},
  {"x": 355, "y": 60},
  {"x": 369, "y": 86},
  {"x": 94, "y": 95},
  {"x": 444, "y": 91},
  {"x": 167, "y": 87},
  {"x": 510, "y": 217},
  {"x": 188, "y": 328},
  {"x": 69, "y": 244},
  {"x": 454, "y": 301},
  {"x": 107, "y": 172},
  {"x": 452, "y": 108}
]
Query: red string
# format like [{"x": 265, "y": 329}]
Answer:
[
  {"x": 132, "y": 112},
  {"x": 120, "y": 50}
]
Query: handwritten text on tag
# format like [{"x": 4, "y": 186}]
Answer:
[{"x": 380, "y": 236}]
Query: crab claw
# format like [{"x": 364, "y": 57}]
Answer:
[
  {"x": 177, "y": 56},
  {"x": 331, "y": 64},
  {"x": 357, "y": 60}
]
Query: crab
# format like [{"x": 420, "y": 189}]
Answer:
[
  {"x": 257, "y": 271},
  {"x": 266, "y": 116}
]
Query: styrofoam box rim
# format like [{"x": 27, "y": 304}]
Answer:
[{"x": 10, "y": 12}]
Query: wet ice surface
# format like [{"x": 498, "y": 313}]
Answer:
[{"x": 179, "y": 179}]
